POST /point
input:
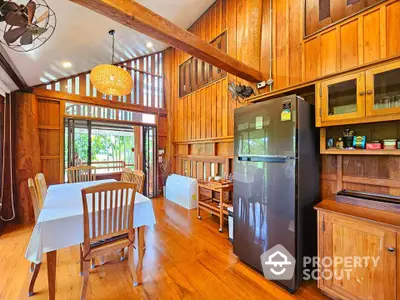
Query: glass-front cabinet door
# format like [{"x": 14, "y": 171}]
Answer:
[
  {"x": 383, "y": 90},
  {"x": 343, "y": 98}
]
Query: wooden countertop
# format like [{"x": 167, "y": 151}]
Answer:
[{"x": 370, "y": 214}]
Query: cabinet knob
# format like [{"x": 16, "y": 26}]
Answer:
[
  {"x": 391, "y": 249},
  {"x": 369, "y": 92},
  {"x": 362, "y": 93}
]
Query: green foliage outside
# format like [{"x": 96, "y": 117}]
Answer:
[{"x": 105, "y": 147}]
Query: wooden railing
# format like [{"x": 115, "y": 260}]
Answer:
[
  {"x": 109, "y": 166},
  {"x": 202, "y": 167}
]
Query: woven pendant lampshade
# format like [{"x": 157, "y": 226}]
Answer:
[{"x": 110, "y": 79}]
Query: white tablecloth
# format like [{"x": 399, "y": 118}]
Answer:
[{"x": 60, "y": 223}]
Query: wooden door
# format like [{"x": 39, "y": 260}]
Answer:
[
  {"x": 51, "y": 139},
  {"x": 343, "y": 98},
  {"x": 347, "y": 237},
  {"x": 383, "y": 90}
]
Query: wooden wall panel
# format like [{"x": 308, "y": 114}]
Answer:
[
  {"x": 265, "y": 59},
  {"x": 207, "y": 114},
  {"x": 281, "y": 44},
  {"x": 27, "y": 153},
  {"x": 374, "y": 174},
  {"x": 295, "y": 40}
]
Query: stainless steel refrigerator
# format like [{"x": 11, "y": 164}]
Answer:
[{"x": 276, "y": 181}]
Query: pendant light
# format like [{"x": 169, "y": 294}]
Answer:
[{"x": 110, "y": 79}]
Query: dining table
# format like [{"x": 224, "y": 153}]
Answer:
[{"x": 60, "y": 225}]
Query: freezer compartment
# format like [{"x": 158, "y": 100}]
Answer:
[{"x": 267, "y": 128}]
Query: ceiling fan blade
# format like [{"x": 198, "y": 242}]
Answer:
[
  {"x": 8, "y": 7},
  {"x": 14, "y": 34},
  {"x": 16, "y": 19},
  {"x": 27, "y": 38},
  {"x": 42, "y": 17},
  {"x": 31, "y": 11}
]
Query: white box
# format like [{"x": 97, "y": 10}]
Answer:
[{"x": 182, "y": 190}]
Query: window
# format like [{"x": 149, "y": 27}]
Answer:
[
  {"x": 195, "y": 73},
  {"x": 322, "y": 13},
  {"x": 324, "y": 9},
  {"x": 351, "y": 2},
  {"x": 97, "y": 112},
  {"x": 107, "y": 146}
]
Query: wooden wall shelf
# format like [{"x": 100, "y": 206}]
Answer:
[
  {"x": 374, "y": 131},
  {"x": 360, "y": 152}
]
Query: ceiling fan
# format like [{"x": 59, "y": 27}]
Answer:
[
  {"x": 26, "y": 24},
  {"x": 240, "y": 92}
]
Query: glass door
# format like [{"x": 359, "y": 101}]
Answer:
[
  {"x": 78, "y": 144},
  {"x": 107, "y": 146},
  {"x": 149, "y": 161},
  {"x": 383, "y": 90},
  {"x": 343, "y": 98}
]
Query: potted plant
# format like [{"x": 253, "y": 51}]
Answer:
[{"x": 164, "y": 168}]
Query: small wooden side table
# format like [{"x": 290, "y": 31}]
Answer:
[{"x": 214, "y": 198}]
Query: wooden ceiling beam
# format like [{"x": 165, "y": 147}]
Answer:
[
  {"x": 9, "y": 69},
  {"x": 135, "y": 16}
]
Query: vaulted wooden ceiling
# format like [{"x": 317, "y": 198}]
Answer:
[
  {"x": 81, "y": 37},
  {"x": 139, "y": 18}
]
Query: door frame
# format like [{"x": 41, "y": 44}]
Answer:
[{"x": 150, "y": 190}]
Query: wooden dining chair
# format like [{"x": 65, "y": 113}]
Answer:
[
  {"x": 81, "y": 174},
  {"x": 108, "y": 211},
  {"x": 37, "y": 207},
  {"x": 41, "y": 187},
  {"x": 134, "y": 176}
]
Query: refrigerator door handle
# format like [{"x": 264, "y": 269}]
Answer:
[{"x": 266, "y": 158}]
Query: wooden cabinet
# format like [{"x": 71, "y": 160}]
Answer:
[
  {"x": 348, "y": 237},
  {"x": 372, "y": 95},
  {"x": 343, "y": 98},
  {"x": 383, "y": 90}
]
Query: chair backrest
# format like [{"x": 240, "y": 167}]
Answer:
[
  {"x": 37, "y": 205},
  {"x": 134, "y": 176},
  {"x": 41, "y": 187},
  {"x": 81, "y": 174},
  {"x": 108, "y": 210}
]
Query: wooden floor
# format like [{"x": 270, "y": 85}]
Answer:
[{"x": 185, "y": 258}]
